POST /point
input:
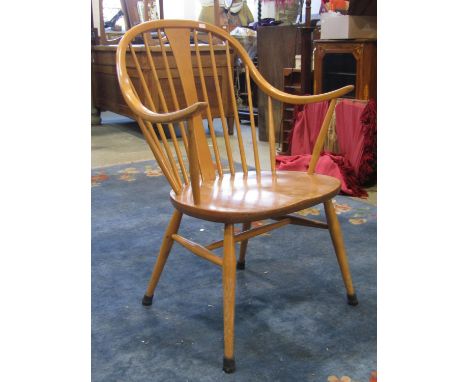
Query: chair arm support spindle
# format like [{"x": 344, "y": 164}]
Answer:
[{"x": 194, "y": 167}]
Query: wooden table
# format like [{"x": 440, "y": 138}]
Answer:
[{"x": 106, "y": 90}]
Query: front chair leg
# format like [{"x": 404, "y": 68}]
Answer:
[
  {"x": 229, "y": 291},
  {"x": 338, "y": 244},
  {"x": 243, "y": 247},
  {"x": 164, "y": 251}
]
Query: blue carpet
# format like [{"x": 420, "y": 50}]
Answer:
[{"x": 292, "y": 320}]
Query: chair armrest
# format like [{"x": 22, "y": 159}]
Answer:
[
  {"x": 134, "y": 102},
  {"x": 146, "y": 114},
  {"x": 169, "y": 117},
  {"x": 304, "y": 99}
]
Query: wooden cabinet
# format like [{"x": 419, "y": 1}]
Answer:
[
  {"x": 106, "y": 90},
  {"x": 346, "y": 62},
  {"x": 276, "y": 50}
]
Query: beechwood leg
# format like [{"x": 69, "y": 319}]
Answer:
[
  {"x": 229, "y": 292},
  {"x": 243, "y": 247},
  {"x": 338, "y": 244},
  {"x": 164, "y": 251}
]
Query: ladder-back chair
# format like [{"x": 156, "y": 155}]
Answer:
[{"x": 206, "y": 189}]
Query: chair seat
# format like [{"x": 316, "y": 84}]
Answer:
[{"x": 236, "y": 199}]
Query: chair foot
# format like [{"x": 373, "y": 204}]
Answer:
[
  {"x": 352, "y": 299},
  {"x": 147, "y": 300},
  {"x": 240, "y": 265},
  {"x": 229, "y": 365}
]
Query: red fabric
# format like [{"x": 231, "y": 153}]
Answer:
[
  {"x": 356, "y": 129},
  {"x": 368, "y": 169},
  {"x": 293, "y": 162},
  {"x": 306, "y": 127},
  {"x": 328, "y": 164},
  {"x": 349, "y": 131}
]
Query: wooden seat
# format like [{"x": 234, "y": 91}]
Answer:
[
  {"x": 212, "y": 192},
  {"x": 239, "y": 198}
]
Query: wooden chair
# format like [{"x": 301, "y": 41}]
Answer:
[{"x": 206, "y": 190}]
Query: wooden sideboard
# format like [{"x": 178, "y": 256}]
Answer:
[
  {"x": 106, "y": 91},
  {"x": 346, "y": 62}
]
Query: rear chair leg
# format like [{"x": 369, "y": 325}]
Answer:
[
  {"x": 337, "y": 239},
  {"x": 243, "y": 247},
  {"x": 164, "y": 251},
  {"x": 229, "y": 291}
]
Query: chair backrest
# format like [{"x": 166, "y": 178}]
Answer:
[{"x": 166, "y": 67}]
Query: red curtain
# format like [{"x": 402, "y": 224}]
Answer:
[{"x": 356, "y": 129}]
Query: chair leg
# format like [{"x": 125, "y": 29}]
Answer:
[
  {"x": 164, "y": 251},
  {"x": 338, "y": 244},
  {"x": 229, "y": 291},
  {"x": 243, "y": 247}
]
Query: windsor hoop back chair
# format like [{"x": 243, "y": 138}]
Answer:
[{"x": 205, "y": 189}]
